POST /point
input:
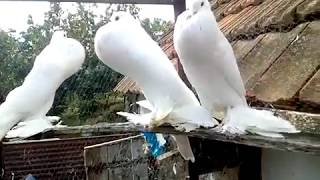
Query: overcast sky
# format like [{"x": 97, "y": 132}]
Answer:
[{"x": 14, "y": 14}]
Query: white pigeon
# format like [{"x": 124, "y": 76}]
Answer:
[
  {"x": 28, "y": 104},
  {"x": 126, "y": 47},
  {"x": 210, "y": 65}
]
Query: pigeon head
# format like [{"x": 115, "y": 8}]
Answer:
[
  {"x": 57, "y": 35},
  {"x": 67, "y": 54},
  {"x": 121, "y": 16},
  {"x": 197, "y": 5},
  {"x": 182, "y": 19}
]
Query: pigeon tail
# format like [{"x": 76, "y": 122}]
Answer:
[
  {"x": 185, "y": 118},
  {"x": 29, "y": 128},
  {"x": 7, "y": 120},
  {"x": 242, "y": 118}
]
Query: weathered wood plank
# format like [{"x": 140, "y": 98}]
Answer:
[
  {"x": 307, "y": 9},
  {"x": 281, "y": 81},
  {"x": 242, "y": 47},
  {"x": 120, "y": 159},
  {"x": 226, "y": 174},
  {"x": 246, "y": 19},
  {"x": 311, "y": 91},
  {"x": 280, "y": 16},
  {"x": 220, "y": 8},
  {"x": 303, "y": 142},
  {"x": 120, "y": 173},
  {"x": 306, "y": 122},
  {"x": 264, "y": 54},
  {"x": 172, "y": 166}
]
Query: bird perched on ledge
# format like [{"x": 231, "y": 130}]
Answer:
[
  {"x": 126, "y": 47},
  {"x": 211, "y": 67},
  {"x": 29, "y": 103}
]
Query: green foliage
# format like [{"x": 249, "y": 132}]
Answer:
[
  {"x": 156, "y": 28},
  {"x": 11, "y": 59},
  {"x": 82, "y": 98}
]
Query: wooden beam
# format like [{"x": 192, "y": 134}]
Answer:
[
  {"x": 304, "y": 142},
  {"x": 179, "y": 6},
  {"x": 295, "y": 143},
  {"x": 109, "y": 1}
]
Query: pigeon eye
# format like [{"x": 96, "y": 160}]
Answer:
[
  {"x": 117, "y": 18},
  {"x": 202, "y": 3}
]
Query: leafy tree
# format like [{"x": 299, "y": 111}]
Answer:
[
  {"x": 95, "y": 79},
  {"x": 87, "y": 96},
  {"x": 12, "y": 64}
]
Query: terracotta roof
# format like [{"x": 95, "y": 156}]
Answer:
[
  {"x": 276, "y": 43},
  {"x": 48, "y": 159}
]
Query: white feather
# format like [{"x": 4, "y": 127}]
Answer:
[
  {"x": 145, "y": 104},
  {"x": 142, "y": 119},
  {"x": 126, "y": 47},
  {"x": 161, "y": 139},
  {"x": 208, "y": 59},
  {"x": 29, "y": 128},
  {"x": 210, "y": 65},
  {"x": 262, "y": 122},
  {"x": 33, "y": 99}
]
